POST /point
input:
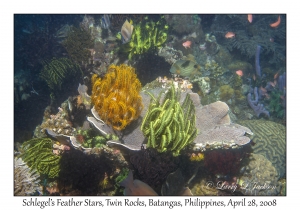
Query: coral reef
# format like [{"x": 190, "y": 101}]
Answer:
[
  {"x": 259, "y": 178},
  {"x": 136, "y": 187},
  {"x": 226, "y": 92},
  {"x": 275, "y": 104},
  {"x": 203, "y": 188},
  {"x": 91, "y": 173},
  {"x": 22, "y": 87},
  {"x": 37, "y": 154},
  {"x": 216, "y": 129},
  {"x": 58, "y": 123},
  {"x": 90, "y": 139},
  {"x": 116, "y": 97},
  {"x": 153, "y": 167},
  {"x": 257, "y": 64},
  {"x": 186, "y": 67},
  {"x": 122, "y": 175},
  {"x": 169, "y": 125},
  {"x": 258, "y": 108},
  {"x": 165, "y": 82},
  {"x": 282, "y": 82},
  {"x": 270, "y": 141},
  {"x": 146, "y": 35},
  {"x": 26, "y": 181},
  {"x": 210, "y": 45},
  {"x": 224, "y": 162},
  {"x": 197, "y": 157},
  {"x": 58, "y": 70},
  {"x": 213, "y": 68},
  {"x": 83, "y": 97},
  {"x": 203, "y": 83},
  {"x": 184, "y": 24},
  {"x": 238, "y": 64},
  {"x": 77, "y": 43},
  {"x": 248, "y": 36},
  {"x": 213, "y": 122},
  {"x": 175, "y": 185},
  {"x": 170, "y": 54}
]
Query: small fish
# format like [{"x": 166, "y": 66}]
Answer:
[
  {"x": 264, "y": 90},
  {"x": 276, "y": 75},
  {"x": 276, "y": 24},
  {"x": 250, "y": 18},
  {"x": 187, "y": 44},
  {"x": 136, "y": 187},
  {"x": 126, "y": 32},
  {"x": 105, "y": 21},
  {"x": 273, "y": 83},
  {"x": 239, "y": 72},
  {"x": 229, "y": 35}
]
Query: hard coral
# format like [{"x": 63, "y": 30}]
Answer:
[{"x": 116, "y": 97}]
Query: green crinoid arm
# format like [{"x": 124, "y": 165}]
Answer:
[{"x": 169, "y": 125}]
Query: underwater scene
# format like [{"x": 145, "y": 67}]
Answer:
[{"x": 149, "y": 104}]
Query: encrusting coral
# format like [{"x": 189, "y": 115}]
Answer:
[
  {"x": 37, "y": 154},
  {"x": 169, "y": 125},
  {"x": 116, "y": 97}
]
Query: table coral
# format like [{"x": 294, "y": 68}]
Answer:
[{"x": 116, "y": 96}]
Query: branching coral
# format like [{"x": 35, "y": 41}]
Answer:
[
  {"x": 169, "y": 125},
  {"x": 57, "y": 70},
  {"x": 116, "y": 97},
  {"x": 146, "y": 35},
  {"x": 37, "y": 154}
]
